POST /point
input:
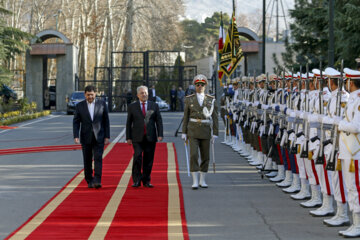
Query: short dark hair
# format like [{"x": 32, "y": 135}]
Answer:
[{"x": 89, "y": 88}]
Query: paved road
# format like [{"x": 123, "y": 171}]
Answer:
[{"x": 237, "y": 205}]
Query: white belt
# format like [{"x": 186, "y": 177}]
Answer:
[{"x": 199, "y": 120}]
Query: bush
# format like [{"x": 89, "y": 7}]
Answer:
[{"x": 15, "y": 117}]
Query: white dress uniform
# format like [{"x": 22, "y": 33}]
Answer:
[
  {"x": 324, "y": 176},
  {"x": 349, "y": 148},
  {"x": 337, "y": 181}
]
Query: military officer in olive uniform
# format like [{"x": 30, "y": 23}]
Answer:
[{"x": 200, "y": 127}]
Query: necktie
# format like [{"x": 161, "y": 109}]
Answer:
[
  {"x": 143, "y": 109},
  {"x": 144, "y": 113}
]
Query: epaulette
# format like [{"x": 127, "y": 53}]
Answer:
[
  {"x": 210, "y": 96},
  {"x": 190, "y": 95}
]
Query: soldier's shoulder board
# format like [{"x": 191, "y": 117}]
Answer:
[
  {"x": 210, "y": 96},
  {"x": 190, "y": 95}
]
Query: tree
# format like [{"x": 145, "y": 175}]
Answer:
[
  {"x": 347, "y": 22},
  {"x": 310, "y": 31},
  {"x": 12, "y": 42},
  {"x": 202, "y": 36}
]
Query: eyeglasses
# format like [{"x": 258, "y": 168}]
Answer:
[{"x": 200, "y": 84}]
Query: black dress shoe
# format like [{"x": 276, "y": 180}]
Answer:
[
  {"x": 149, "y": 185},
  {"x": 90, "y": 185},
  {"x": 97, "y": 185},
  {"x": 137, "y": 184}
]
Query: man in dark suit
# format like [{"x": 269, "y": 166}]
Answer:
[
  {"x": 143, "y": 129},
  {"x": 152, "y": 94},
  {"x": 91, "y": 119}
]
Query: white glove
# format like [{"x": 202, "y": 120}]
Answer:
[
  {"x": 298, "y": 113},
  {"x": 213, "y": 137},
  {"x": 337, "y": 120},
  {"x": 327, "y": 120},
  {"x": 264, "y": 107},
  {"x": 320, "y": 118},
  {"x": 183, "y": 136},
  {"x": 292, "y": 114},
  {"x": 289, "y": 112},
  {"x": 282, "y": 107}
]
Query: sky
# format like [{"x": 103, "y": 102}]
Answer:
[{"x": 200, "y": 9}]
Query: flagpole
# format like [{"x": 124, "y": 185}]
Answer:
[{"x": 263, "y": 37}]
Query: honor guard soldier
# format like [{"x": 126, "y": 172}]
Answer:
[
  {"x": 317, "y": 138},
  {"x": 200, "y": 127},
  {"x": 337, "y": 177},
  {"x": 349, "y": 149}
]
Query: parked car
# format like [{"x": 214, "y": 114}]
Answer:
[
  {"x": 163, "y": 105},
  {"x": 7, "y": 93},
  {"x": 74, "y": 99}
]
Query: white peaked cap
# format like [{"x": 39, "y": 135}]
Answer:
[
  {"x": 331, "y": 72},
  {"x": 317, "y": 72},
  {"x": 353, "y": 74}
]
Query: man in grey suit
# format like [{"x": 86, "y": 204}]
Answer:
[
  {"x": 143, "y": 129},
  {"x": 91, "y": 119}
]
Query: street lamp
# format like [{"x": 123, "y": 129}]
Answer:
[{"x": 57, "y": 17}]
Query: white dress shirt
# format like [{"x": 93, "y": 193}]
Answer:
[
  {"x": 200, "y": 98},
  {"x": 141, "y": 106},
  {"x": 91, "y": 107}
]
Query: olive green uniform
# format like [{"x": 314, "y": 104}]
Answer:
[{"x": 199, "y": 133}]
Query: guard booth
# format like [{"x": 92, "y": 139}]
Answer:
[{"x": 51, "y": 69}]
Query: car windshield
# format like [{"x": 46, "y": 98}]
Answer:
[
  {"x": 158, "y": 99},
  {"x": 78, "y": 95}
]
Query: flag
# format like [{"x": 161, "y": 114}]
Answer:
[
  {"x": 221, "y": 46},
  {"x": 231, "y": 53}
]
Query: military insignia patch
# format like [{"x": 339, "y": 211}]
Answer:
[
  {"x": 343, "y": 104},
  {"x": 359, "y": 108}
]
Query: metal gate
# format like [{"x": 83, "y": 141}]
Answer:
[{"x": 128, "y": 70}]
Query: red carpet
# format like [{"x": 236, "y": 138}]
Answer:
[
  {"x": 116, "y": 211},
  {"x": 7, "y": 127},
  {"x": 40, "y": 149}
]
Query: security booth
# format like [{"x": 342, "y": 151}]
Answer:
[{"x": 51, "y": 69}]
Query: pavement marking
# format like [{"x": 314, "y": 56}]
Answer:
[
  {"x": 174, "y": 216},
  {"x": 103, "y": 225},
  {"x": 41, "y": 216},
  {"x": 26, "y": 124}
]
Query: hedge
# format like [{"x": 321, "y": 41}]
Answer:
[{"x": 16, "y": 117}]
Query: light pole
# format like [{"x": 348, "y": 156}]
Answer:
[{"x": 331, "y": 33}]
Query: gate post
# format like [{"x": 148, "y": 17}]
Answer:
[
  {"x": 110, "y": 83},
  {"x": 146, "y": 68}
]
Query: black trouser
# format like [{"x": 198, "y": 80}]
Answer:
[
  {"x": 89, "y": 150},
  {"x": 173, "y": 104},
  {"x": 143, "y": 159}
]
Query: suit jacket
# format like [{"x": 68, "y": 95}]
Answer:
[
  {"x": 136, "y": 120},
  {"x": 194, "y": 110},
  {"x": 151, "y": 96},
  {"x": 82, "y": 122}
]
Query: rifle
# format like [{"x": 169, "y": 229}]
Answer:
[
  {"x": 320, "y": 157},
  {"x": 335, "y": 148},
  {"x": 292, "y": 148},
  {"x": 281, "y": 117},
  {"x": 305, "y": 151}
]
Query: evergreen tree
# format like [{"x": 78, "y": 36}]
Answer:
[
  {"x": 202, "y": 36},
  {"x": 347, "y": 22},
  {"x": 13, "y": 41},
  {"x": 310, "y": 32}
]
